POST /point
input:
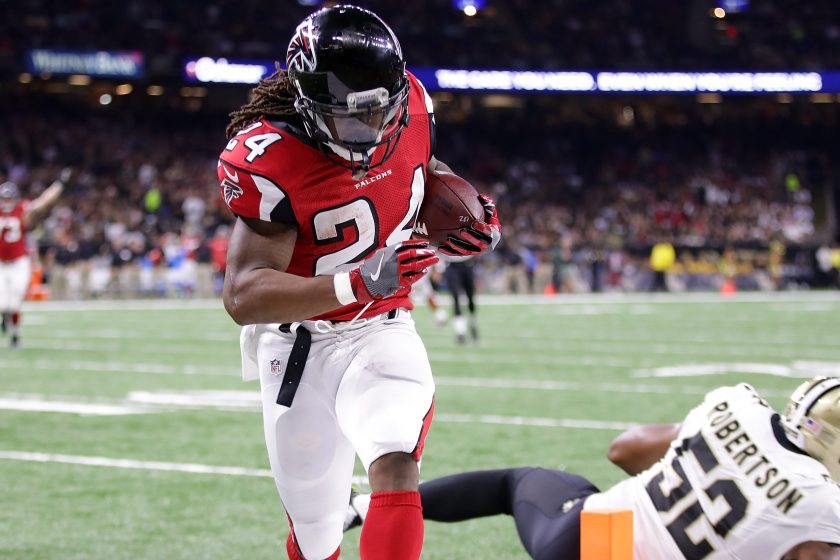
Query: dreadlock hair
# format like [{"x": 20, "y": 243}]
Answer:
[{"x": 271, "y": 98}]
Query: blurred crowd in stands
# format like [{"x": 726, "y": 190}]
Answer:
[
  {"x": 582, "y": 204},
  {"x": 550, "y": 34}
]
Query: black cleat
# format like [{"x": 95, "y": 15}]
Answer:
[
  {"x": 15, "y": 344},
  {"x": 5, "y": 323}
]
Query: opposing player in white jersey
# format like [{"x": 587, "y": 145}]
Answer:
[{"x": 737, "y": 481}]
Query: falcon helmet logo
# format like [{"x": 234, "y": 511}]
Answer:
[{"x": 301, "y": 55}]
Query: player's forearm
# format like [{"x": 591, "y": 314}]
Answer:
[
  {"x": 268, "y": 296},
  {"x": 41, "y": 205},
  {"x": 639, "y": 448}
]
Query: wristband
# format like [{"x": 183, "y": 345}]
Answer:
[{"x": 343, "y": 290}]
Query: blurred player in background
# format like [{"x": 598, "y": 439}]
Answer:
[
  {"x": 460, "y": 279},
  {"x": 425, "y": 290},
  {"x": 16, "y": 217},
  {"x": 325, "y": 170},
  {"x": 735, "y": 480}
]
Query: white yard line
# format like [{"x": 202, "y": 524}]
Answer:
[
  {"x": 82, "y": 408},
  {"x": 575, "y": 423},
  {"x": 130, "y": 464},
  {"x": 548, "y": 385},
  {"x": 192, "y": 468},
  {"x": 250, "y": 401},
  {"x": 702, "y": 298},
  {"x": 797, "y": 369},
  {"x": 118, "y": 367}
]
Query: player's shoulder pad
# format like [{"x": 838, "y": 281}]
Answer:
[
  {"x": 251, "y": 183},
  {"x": 740, "y": 392},
  {"x": 258, "y": 147}
]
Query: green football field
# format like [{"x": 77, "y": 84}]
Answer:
[{"x": 125, "y": 431}]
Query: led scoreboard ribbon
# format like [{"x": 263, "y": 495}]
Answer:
[{"x": 221, "y": 70}]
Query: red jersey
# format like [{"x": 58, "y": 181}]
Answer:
[
  {"x": 271, "y": 171},
  {"x": 13, "y": 233}
]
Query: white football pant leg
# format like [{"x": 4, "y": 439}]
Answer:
[
  {"x": 14, "y": 281},
  {"x": 387, "y": 391},
  {"x": 311, "y": 459}
]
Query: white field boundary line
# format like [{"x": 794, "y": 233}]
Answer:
[
  {"x": 608, "y": 354},
  {"x": 191, "y": 468},
  {"x": 485, "y": 299},
  {"x": 558, "y": 337},
  {"x": 74, "y": 340}
]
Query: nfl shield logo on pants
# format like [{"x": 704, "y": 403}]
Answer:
[{"x": 275, "y": 367}]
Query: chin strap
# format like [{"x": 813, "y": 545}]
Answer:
[{"x": 360, "y": 172}]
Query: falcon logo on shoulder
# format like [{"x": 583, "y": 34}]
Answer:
[
  {"x": 230, "y": 189},
  {"x": 300, "y": 54}
]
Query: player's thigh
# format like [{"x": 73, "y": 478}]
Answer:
[
  {"x": 20, "y": 275},
  {"x": 469, "y": 282},
  {"x": 546, "y": 509},
  {"x": 453, "y": 280},
  {"x": 384, "y": 402},
  {"x": 5, "y": 287},
  {"x": 311, "y": 459}
]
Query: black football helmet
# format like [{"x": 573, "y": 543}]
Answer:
[
  {"x": 9, "y": 196},
  {"x": 351, "y": 88}
]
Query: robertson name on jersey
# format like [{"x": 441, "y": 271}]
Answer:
[
  {"x": 13, "y": 233},
  {"x": 270, "y": 171},
  {"x": 730, "y": 486}
]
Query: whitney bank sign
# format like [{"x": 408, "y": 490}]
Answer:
[{"x": 118, "y": 64}]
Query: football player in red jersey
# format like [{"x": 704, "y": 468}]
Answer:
[
  {"x": 325, "y": 170},
  {"x": 16, "y": 215}
]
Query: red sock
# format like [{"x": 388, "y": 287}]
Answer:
[
  {"x": 15, "y": 319},
  {"x": 393, "y": 527}
]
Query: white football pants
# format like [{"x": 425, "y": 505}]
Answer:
[{"x": 367, "y": 389}]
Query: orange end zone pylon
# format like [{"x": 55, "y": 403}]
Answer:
[
  {"x": 606, "y": 534},
  {"x": 37, "y": 291}
]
